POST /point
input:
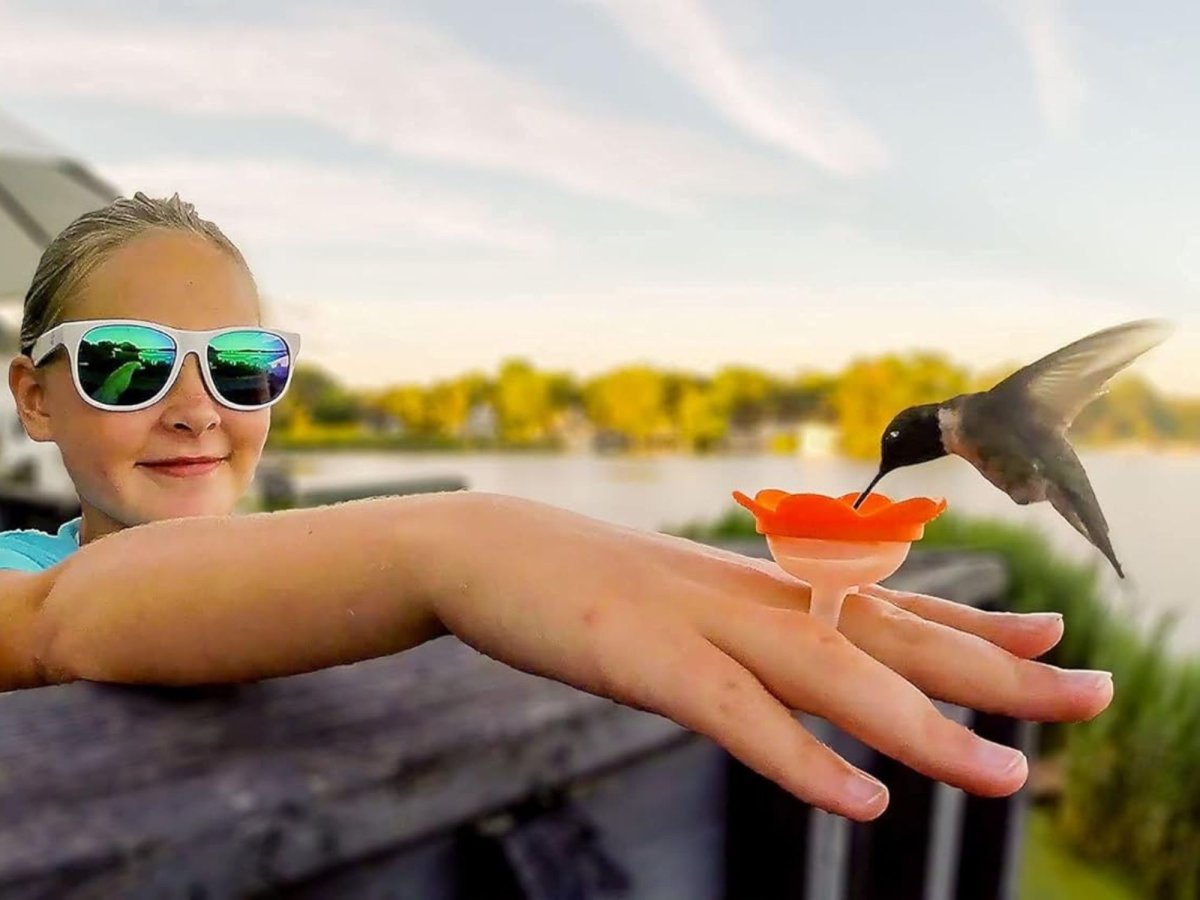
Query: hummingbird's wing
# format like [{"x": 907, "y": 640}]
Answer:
[{"x": 1060, "y": 385}]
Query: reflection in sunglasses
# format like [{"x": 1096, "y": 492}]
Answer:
[{"x": 117, "y": 383}]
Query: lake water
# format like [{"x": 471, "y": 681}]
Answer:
[{"x": 1151, "y": 500}]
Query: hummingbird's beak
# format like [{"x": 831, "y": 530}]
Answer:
[{"x": 874, "y": 481}]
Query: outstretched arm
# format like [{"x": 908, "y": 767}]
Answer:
[
  {"x": 237, "y": 598},
  {"x": 719, "y": 642}
]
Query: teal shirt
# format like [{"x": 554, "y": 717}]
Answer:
[{"x": 31, "y": 550}]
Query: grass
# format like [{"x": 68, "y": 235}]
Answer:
[{"x": 1051, "y": 871}]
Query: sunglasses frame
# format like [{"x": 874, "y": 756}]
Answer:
[{"x": 71, "y": 334}]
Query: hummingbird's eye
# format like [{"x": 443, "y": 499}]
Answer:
[{"x": 893, "y": 434}]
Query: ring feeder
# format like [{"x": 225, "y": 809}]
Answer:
[{"x": 833, "y": 547}]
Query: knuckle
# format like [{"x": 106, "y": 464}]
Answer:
[
  {"x": 942, "y": 736},
  {"x": 729, "y": 704},
  {"x": 903, "y": 601},
  {"x": 830, "y": 642},
  {"x": 731, "y": 694},
  {"x": 1019, "y": 677},
  {"x": 798, "y": 629},
  {"x": 825, "y": 645},
  {"x": 905, "y": 627},
  {"x": 821, "y": 637}
]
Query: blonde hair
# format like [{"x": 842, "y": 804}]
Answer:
[{"x": 90, "y": 240}]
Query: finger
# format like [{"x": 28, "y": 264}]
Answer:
[
  {"x": 811, "y": 666},
  {"x": 963, "y": 668},
  {"x": 703, "y": 689},
  {"x": 1028, "y": 635}
]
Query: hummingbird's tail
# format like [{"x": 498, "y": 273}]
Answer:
[{"x": 1083, "y": 512}]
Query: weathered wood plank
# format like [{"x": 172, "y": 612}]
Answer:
[
  {"x": 372, "y": 754},
  {"x": 228, "y": 791},
  {"x": 278, "y": 488}
]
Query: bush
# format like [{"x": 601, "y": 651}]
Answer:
[{"x": 1132, "y": 790}]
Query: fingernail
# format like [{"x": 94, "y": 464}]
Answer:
[
  {"x": 1092, "y": 678},
  {"x": 1002, "y": 760},
  {"x": 864, "y": 791},
  {"x": 1038, "y": 620}
]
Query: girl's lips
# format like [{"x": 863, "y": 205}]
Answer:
[{"x": 184, "y": 468}]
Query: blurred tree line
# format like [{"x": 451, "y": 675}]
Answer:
[{"x": 642, "y": 407}]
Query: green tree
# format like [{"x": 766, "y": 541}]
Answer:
[
  {"x": 871, "y": 391},
  {"x": 1131, "y": 410},
  {"x": 989, "y": 378},
  {"x": 701, "y": 420},
  {"x": 523, "y": 402},
  {"x": 1187, "y": 414},
  {"x": 630, "y": 400},
  {"x": 807, "y": 397},
  {"x": 564, "y": 390},
  {"x": 743, "y": 392},
  {"x": 321, "y": 398},
  {"x": 408, "y": 404},
  {"x": 448, "y": 403}
]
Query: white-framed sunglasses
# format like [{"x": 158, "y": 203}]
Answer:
[{"x": 122, "y": 365}]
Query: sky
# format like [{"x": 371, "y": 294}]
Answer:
[{"x": 429, "y": 187}]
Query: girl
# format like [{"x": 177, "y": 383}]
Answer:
[{"x": 159, "y": 581}]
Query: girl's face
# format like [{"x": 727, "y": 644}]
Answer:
[{"x": 174, "y": 279}]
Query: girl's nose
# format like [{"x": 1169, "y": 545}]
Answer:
[{"x": 188, "y": 405}]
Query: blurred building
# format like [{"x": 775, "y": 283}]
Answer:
[
  {"x": 816, "y": 440},
  {"x": 482, "y": 423},
  {"x": 42, "y": 190}
]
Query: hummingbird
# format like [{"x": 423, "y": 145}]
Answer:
[{"x": 1015, "y": 433}]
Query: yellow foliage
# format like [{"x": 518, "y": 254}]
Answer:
[{"x": 871, "y": 391}]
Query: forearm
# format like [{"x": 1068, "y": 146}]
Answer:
[{"x": 220, "y": 599}]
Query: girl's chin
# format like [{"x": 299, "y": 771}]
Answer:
[
  {"x": 200, "y": 503},
  {"x": 212, "y": 491}
]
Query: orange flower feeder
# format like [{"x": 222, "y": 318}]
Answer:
[{"x": 834, "y": 547}]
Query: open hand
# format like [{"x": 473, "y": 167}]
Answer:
[{"x": 722, "y": 644}]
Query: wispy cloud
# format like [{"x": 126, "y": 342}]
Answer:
[
  {"x": 289, "y": 204},
  {"x": 1060, "y": 84},
  {"x": 979, "y": 322},
  {"x": 778, "y": 104},
  {"x": 400, "y": 86}
]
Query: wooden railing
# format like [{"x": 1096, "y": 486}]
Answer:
[
  {"x": 277, "y": 488},
  {"x": 441, "y": 773}
]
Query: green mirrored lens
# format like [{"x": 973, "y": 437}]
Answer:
[
  {"x": 124, "y": 365},
  {"x": 250, "y": 367}
]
